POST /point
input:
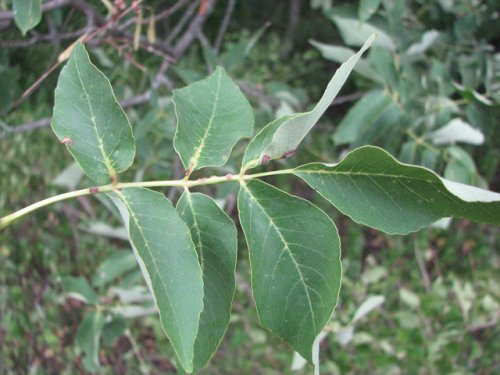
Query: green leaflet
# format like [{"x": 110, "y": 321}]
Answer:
[
  {"x": 374, "y": 189},
  {"x": 364, "y": 113},
  {"x": 88, "y": 337},
  {"x": 79, "y": 288},
  {"x": 295, "y": 260},
  {"x": 27, "y": 14},
  {"x": 367, "y": 8},
  {"x": 167, "y": 257},
  {"x": 281, "y": 137},
  {"x": 89, "y": 120},
  {"x": 212, "y": 115},
  {"x": 215, "y": 238}
]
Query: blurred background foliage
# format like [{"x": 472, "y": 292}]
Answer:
[{"x": 72, "y": 299}]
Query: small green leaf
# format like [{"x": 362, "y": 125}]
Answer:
[
  {"x": 167, "y": 257},
  {"x": 361, "y": 115},
  {"x": 295, "y": 261},
  {"x": 79, "y": 288},
  {"x": 340, "y": 54},
  {"x": 374, "y": 189},
  {"x": 89, "y": 120},
  {"x": 212, "y": 115},
  {"x": 88, "y": 337},
  {"x": 282, "y": 136},
  {"x": 354, "y": 32},
  {"x": 117, "y": 264},
  {"x": 215, "y": 238},
  {"x": 27, "y": 14},
  {"x": 367, "y": 8}
]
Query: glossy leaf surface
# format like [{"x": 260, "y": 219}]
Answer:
[
  {"x": 212, "y": 115},
  {"x": 295, "y": 261},
  {"x": 215, "y": 239},
  {"x": 169, "y": 263},
  {"x": 90, "y": 122},
  {"x": 374, "y": 189}
]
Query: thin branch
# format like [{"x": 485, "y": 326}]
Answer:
[
  {"x": 224, "y": 25},
  {"x": 182, "y": 22},
  {"x": 426, "y": 280},
  {"x": 9, "y": 219},
  {"x": 160, "y": 16}
]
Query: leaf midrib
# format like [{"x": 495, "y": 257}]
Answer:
[
  {"x": 198, "y": 233},
  {"x": 107, "y": 161},
  {"x": 286, "y": 247},
  {"x": 194, "y": 159},
  {"x": 132, "y": 215}
]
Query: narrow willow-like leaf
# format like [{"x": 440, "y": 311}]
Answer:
[
  {"x": 89, "y": 120},
  {"x": 339, "y": 54},
  {"x": 27, "y": 14},
  {"x": 169, "y": 263},
  {"x": 374, "y": 189},
  {"x": 215, "y": 238},
  {"x": 212, "y": 115},
  {"x": 88, "y": 337},
  {"x": 281, "y": 137},
  {"x": 295, "y": 261}
]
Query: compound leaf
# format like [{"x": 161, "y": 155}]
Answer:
[
  {"x": 89, "y": 120},
  {"x": 374, "y": 189},
  {"x": 27, "y": 14},
  {"x": 295, "y": 261},
  {"x": 215, "y": 238},
  {"x": 281, "y": 137},
  {"x": 168, "y": 260},
  {"x": 212, "y": 115}
]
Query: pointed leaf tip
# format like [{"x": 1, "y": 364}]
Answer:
[
  {"x": 286, "y": 133},
  {"x": 295, "y": 263},
  {"x": 89, "y": 121},
  {"x": 212, "y": 115},
  {"x": 374, "y": 189}
]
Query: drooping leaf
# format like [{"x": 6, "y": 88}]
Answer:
[
  {"x": 361, "y": 115},
  {"x": 457, "y": 130},
  {"x": 88, "y": 337},
  {"x": 282, "y": 136},
  {"x": 428, "y": 39},
  {"x": 340, "y": 54},
  {"x": 215, "y": 238},
  {"x": 374, "y": 189},
  {"x": 354, "y": 32},
  {"x": 70, "y": 177},
  {"x": 370, "y": 304},
  {"x": 212, "y": 115},
  {"x": 89, "y": 120},
  {"x": 27, "y": 14},
  {"x": 167, "y": 257},
  {"x": 295, "y": 261}
]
